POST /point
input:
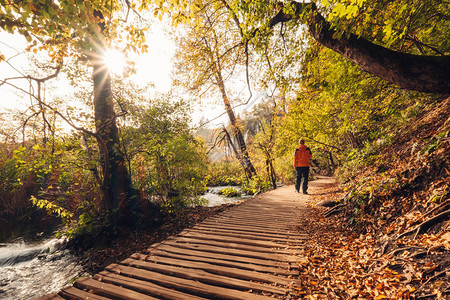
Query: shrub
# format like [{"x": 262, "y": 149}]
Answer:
[
  {"x": 230, "y": 192},
  {"x": 256, "y": 186}
]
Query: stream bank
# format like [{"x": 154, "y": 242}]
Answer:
[{"x": 39, "y": 264}]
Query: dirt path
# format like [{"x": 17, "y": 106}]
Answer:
[{"x": 250, "y": 251}]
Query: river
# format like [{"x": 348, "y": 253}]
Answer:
[
  {"x": 33, "y": 269},
  {"x": 214, "y": 199},
  {"x": 29, "y": 270}
]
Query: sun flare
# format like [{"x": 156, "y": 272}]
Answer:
[{"x": 115, "y": 61}]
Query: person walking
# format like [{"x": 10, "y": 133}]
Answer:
[{"x": 301, "y": 164}]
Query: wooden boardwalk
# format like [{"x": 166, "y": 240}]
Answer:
[{"x": 247, "y": 252}]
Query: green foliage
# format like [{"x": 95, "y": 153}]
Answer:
[
  {"x": 256, "y": 186},
  {"x": 434, "y": 143},
  {"x": 229, "y": 192},
  {"x": 343, "y": 109},
  {"x": 167, "y": 162},
  {"x": 56, "y": 176},
  {"x": 50, "y": 25},
  {"x": 52, "y": 208},
  {"x": 414, "y": 27},
  {"x": 224, "y": 173}
]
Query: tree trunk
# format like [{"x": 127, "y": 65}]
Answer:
[
  {"x": 270, "y": 169},
  {"x": 244, "y": 158},
  {"x": 116, "y": 180},
  {"x": 116, "y": 186},
  {"x": 413, "y": 72}
]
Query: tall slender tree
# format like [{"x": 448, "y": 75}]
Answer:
[{"x": 208, "y": 60}]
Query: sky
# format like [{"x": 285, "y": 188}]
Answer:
[
  {"x": 154, "y": 66},
  {"x": 10, "y": 47}
]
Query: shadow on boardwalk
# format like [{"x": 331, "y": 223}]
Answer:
[{"x": 250, "y": 251}]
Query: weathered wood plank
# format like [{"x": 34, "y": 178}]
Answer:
[
  {"x": 238, "y": 240},
  {"x": 144, "y": 286},
  {"x": 260, "y": 226},
  {"x": 203, "y": 276},
  {"x": 249, "y": 229},
  {"x": 248, "y": 223},
  {"x": 299, "y": 238},
  {"x": 214, "y": 269},
  {"x": 74, "y": 293},
  {"x": 235, "y": 252},
  {"x": 262, "y": 249},
  {"x": 192, "y": 256},
  {"x": 224, "y": 257},
  {"x": 254, "y": 215},
  {"x": 183, "y": 284},
  {"x": 257, "y": 217},
  {"x": 110, "y": 290},
  {"x": 246, "y": 235},
  {"x": 286, "y": 207}
]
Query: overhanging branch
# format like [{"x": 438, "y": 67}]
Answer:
[{"x": 413, "y": 72}]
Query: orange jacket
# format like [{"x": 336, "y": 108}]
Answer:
[{"x": 302, "y": 156}]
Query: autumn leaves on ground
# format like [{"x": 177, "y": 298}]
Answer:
[{"x": 388, "y": 236}]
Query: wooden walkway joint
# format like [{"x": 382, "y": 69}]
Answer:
[{"x": 250, "y": 251}]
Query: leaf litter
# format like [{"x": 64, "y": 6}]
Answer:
[{"x": 388, "y": 235}]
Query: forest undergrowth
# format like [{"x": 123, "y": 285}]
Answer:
[{"x": 387, "y": 234}]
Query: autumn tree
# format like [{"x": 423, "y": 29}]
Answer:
[
  {"x": 403, "y": 42},
  {"x": 406, "y": 44},
  {"x": 209, "y": 59},
  {"x": 261, "y": 126},
  {"x": 167, "y": 161},
  {"x": 84, "y": 30}
]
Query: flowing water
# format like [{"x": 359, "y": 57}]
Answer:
[
  {"x": 214, "y": 199},
  {"x": 33, "y": 269},
  {"x": 29, "y": 270}
]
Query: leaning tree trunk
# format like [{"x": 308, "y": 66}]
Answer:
[
  {"x": 116, "y": 186},
  {"x": 244, "y": 158}
]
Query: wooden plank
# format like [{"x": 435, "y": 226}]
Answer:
[
  {"x": 52, "y": 296},
  {"x": 183, "y": 284},
  {"x": 235, "y": 252},
  {"x": 248, "y": 229},
  {"x": 242, "y": 241},
  {"x": 224, "y": 257},
  {"x": 110, "y": 290},
  {"x": 269, "y": 207},
  {"x": 212, "y": 268},
  {"x": 262, "y": 249},
  {"x": 275, "y": 223},
  {"x": 244, "y": 235},
  {"x": 203, "y": 276},
  {"x": 74, "y": 293},
  {"x": 256, "y": 235},
  {"x": 188, "y": 255},
  {"x": 144, "y": 286},
  {"x": 248, "y": 223},
  {"x": 256, "y": 215}
]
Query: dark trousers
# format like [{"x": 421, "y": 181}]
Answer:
[{"x": 302, "y": 172}]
